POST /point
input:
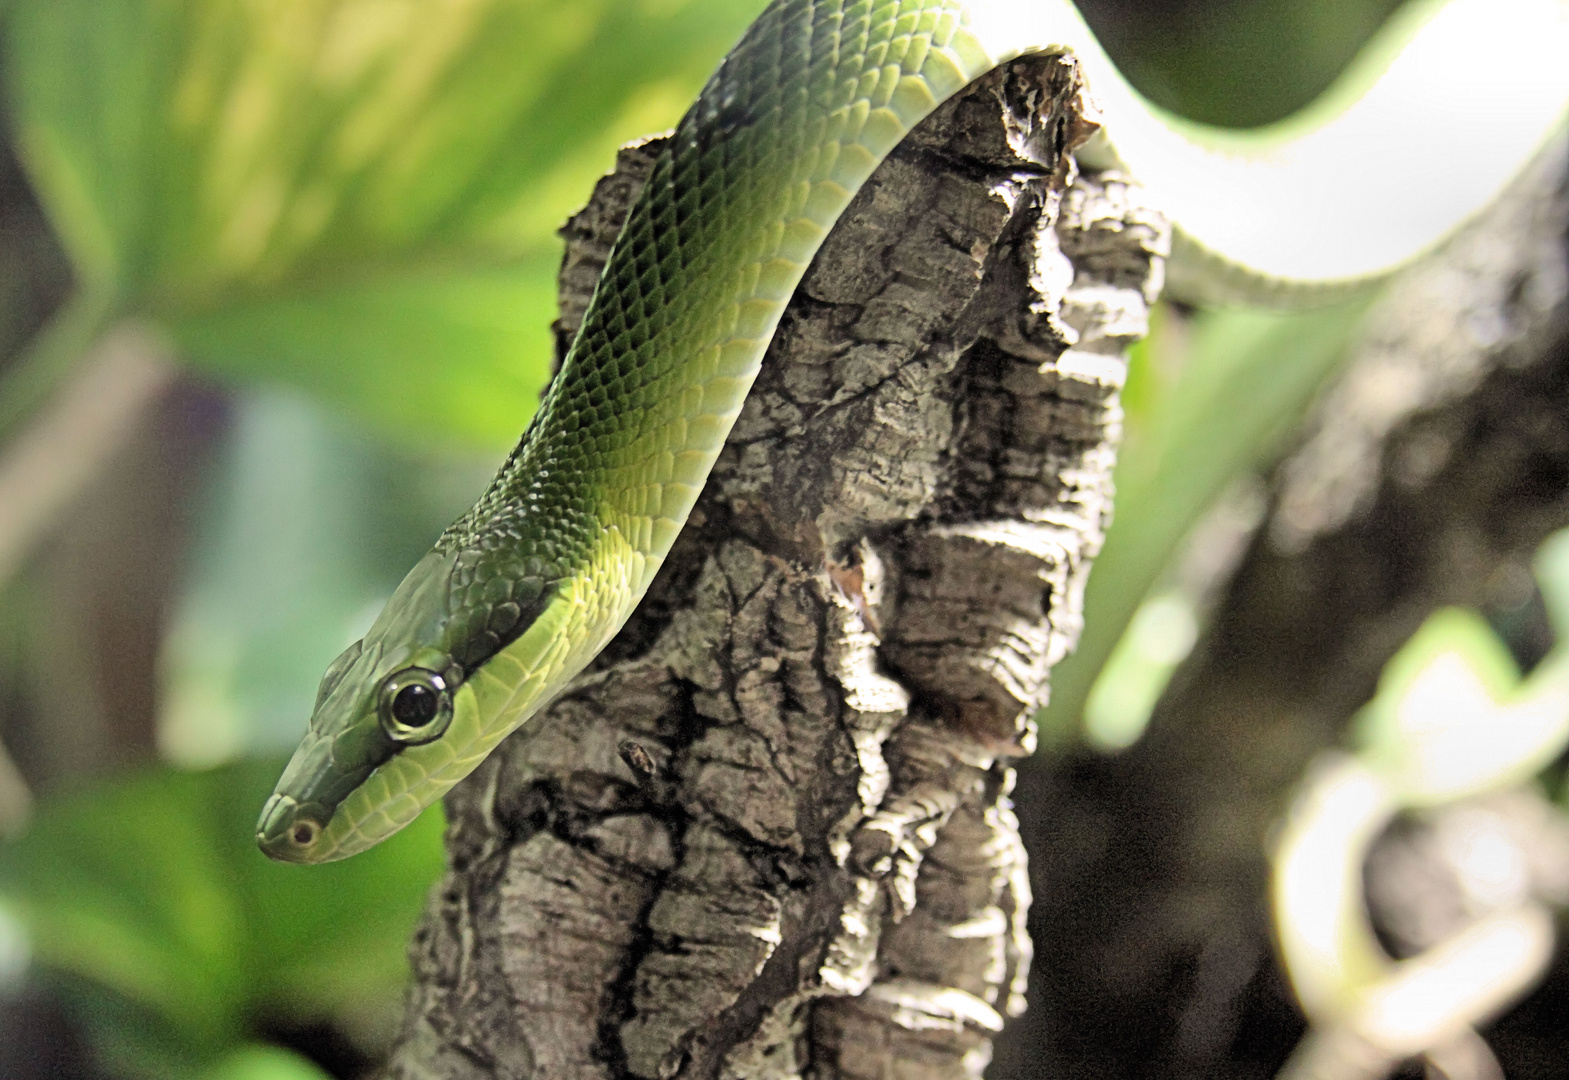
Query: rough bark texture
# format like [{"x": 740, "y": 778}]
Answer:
[
  {"x": 769, "y": 832},
  {"x": 1429, "y": 476}
]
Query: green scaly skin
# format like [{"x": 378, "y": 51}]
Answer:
[{"x": 523, "y": 591}]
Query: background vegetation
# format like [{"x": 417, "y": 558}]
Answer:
[{"x": 333, "y": 222}]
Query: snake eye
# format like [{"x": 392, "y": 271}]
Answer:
[{"x": 415, "y": 706}]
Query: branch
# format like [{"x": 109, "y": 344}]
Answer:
[
  {"x": 769, "y": 829},
  {"x": 61, "y": 449}
]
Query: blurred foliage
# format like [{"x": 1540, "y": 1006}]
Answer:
[
  {"x": 152, "y": 887},
  {"x": 336, "y": 193},
  {"x": 264, "y": 1063},
  {"x": 1454, "y": 717},
  {"x": 1453, "y": 720},
  {"x": 356, "y": 199},
  {"x": 309, "y": 528},
  {"x": 1257, "y": 369},
  {"x": 348, "y": 207}
]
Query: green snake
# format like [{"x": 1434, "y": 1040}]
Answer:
[{"x": 522, "y": 592}]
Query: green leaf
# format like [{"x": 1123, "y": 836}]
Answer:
[
  {"x": 432, "y": 357},
  {"x": 1453, "y": 718},
  {"x": 152, "y": 889},
  {"x": 356, "y": 196},
  {"x": 264, "y": 1063},
  {"x": 126, "y": 888}
]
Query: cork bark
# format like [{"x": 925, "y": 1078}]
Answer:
[
  {"x": 1427, "y": 477},
  {"x": 768, "y": 832}
]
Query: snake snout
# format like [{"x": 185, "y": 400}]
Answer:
[{"x": 287, "y": 831}]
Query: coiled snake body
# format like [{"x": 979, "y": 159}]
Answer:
[{"x": 525, "y": 589}]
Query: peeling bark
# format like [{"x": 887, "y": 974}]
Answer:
[
  {"x": 1427, "y": 477},
  {"x": 769, "y": 830}
]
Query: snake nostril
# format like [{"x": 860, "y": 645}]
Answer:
[{"x": 304, "y": 833}]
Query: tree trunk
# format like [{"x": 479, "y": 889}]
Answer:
[{"x": 769, "y": 830}]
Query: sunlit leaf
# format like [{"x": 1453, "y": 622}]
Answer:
[
  {"x": 1453, "y": 717},
  {"x": 264, "y": 1063},
  {"x": 431, "y": 356},
  {"x": 359, "y": 196}
]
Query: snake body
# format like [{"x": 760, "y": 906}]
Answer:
[{"x": 519, "y": 594}]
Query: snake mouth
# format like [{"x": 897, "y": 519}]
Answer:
[{"x": 287, "y": 831}]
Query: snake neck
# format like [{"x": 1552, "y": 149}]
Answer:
[{"x": 737, "y": 204}]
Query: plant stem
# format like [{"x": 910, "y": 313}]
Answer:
[{"x": 52, "y": 354}]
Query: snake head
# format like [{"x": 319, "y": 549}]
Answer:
[{"x": 392, "y": 690}]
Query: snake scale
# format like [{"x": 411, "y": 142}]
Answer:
[{"x": 520, "y": 593}]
